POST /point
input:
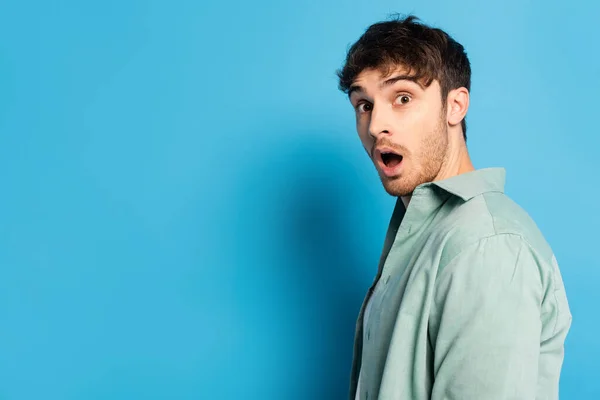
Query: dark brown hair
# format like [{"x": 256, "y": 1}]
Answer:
[{"x": 428, "y": 53}]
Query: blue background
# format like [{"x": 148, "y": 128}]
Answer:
[{"x": 186, "y": 211}]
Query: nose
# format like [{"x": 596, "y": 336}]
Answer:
[{"x": 380, "y": 122}]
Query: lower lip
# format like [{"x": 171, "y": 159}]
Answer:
[{"x": 390, "y": 172}]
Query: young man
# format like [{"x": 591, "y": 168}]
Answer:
[{"x": 468, "y": 302}]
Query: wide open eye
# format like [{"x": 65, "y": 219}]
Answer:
[
  {"x": 403, "y": 99},
  {"x": 364, "y": 107}
]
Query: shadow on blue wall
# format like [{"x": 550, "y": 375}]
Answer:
[
  {"x": 303, "y": 210},
  {"x": 273, "y": 310}
]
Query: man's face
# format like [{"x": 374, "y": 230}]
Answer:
[{"x": 402, "y": 126}]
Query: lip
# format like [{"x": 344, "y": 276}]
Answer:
[{"x": 389, "y": 172}]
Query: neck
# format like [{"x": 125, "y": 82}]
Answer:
[{"x": 457, "y": 160}]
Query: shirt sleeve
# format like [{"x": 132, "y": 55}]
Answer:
[{"x": 485, "y": 323}]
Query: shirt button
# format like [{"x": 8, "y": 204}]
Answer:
[{"x": 368, "y": 334}]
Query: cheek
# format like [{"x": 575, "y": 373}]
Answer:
[
  {"x": 366, "y": 139},
  {"x": 417, "y": 118}
]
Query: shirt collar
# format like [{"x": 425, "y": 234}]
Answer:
[
  {"x": 471, "y": 184},
  {"x": 427, "y": 197}
]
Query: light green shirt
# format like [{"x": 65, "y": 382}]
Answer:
[{"x": 468, "y": 302}]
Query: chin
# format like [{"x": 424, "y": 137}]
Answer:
[{"x": 398, "y": 188}]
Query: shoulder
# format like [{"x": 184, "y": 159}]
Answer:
[
  {"x": 492, "y": 222},
  {"x": 489, "y": 241}
]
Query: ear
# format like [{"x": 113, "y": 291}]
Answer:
[{"x": 457, "y": 105}]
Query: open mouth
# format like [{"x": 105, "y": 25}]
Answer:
[{"x": 390, "y": 159}]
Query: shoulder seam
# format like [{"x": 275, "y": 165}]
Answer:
[
  {"x": 481, "y": 239},
  {"x": 529, "y": 244}
]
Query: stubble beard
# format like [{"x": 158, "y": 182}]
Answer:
[{"x": 423, "y": 167}]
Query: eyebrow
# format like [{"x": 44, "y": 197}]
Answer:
[{"x": 387, "y": 82}]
